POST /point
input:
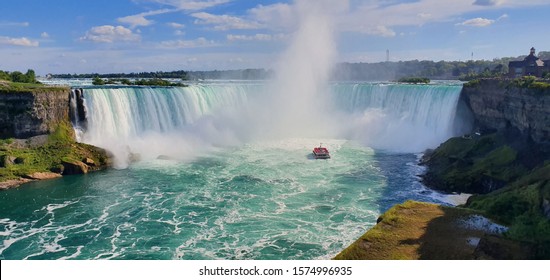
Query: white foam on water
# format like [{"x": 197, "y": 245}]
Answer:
[{"x": 478, "y": 222}]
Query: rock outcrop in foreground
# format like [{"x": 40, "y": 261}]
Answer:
[{"x": 416, "y": 230}]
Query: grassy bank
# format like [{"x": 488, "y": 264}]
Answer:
[
  {"x": 52, "y": 153},
  {"x": 416, "y": 230},
  {"x": 510, "y": 177},
  {"x": 12, "y": 87}
]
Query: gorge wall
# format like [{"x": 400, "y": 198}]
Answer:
[
  {"x": 27, "y": 113},
  {"x": 499, "y": 104}
]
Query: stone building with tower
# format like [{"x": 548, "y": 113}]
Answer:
[{"x": 531, "y": 65}]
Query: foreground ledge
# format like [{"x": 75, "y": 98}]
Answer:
[{"x": 416, "y": 230}]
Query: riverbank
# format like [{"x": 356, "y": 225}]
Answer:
[{"x": 47, "y": 157}]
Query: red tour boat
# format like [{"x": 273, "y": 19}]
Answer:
[{"x": 321, "y": 152}]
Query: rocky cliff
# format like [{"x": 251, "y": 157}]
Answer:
[
  {"x": 27, "y": 113},
  {"x": 502, "y": 104},
  {"x": 46, "y": 147}
]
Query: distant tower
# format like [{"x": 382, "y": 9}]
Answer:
[
  {"x": 387, "y": 55},
  {"x": 532, "y": 51}
]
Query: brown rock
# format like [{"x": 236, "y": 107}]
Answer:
[
  {"x": 43, "y": 175},
  {"x": 89, "y": 162},
  {"x": 13, "y": 183},
  {"x": 72, "y": 168}
]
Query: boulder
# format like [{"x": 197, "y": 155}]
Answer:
[
  {"x": 42, "y": 175},
  {"x": 89, "y": 162},
  {"x": 74, "y": 167}
]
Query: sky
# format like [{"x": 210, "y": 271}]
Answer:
[{"x": 113, "y": 36}]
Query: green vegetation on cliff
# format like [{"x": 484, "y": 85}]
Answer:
[
  {"x": 18, "y": 77},
  {"x": 52, "y": 153},
  {"x": 16, "y": 87},
  {"x": 417, "y": 230},
  {"x": 530, "y": 82},
  {"x": 140, "y": 82},
  {"x": 511, "y": 178},
  {"x": 474, "y": 164},
  {"x": 414, "y": 80},
  {"x": 523, "y": 205}
]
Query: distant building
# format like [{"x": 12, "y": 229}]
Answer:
[{"x": 529, "y": 66}]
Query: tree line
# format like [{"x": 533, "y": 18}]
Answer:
[
  {"x": 244, "y": 74},
  {"x": 342, "y": 71},
  {"x": 18, "y": 77},
  {"x": 392, "y": 70}
]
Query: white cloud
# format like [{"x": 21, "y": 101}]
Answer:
[
  {"x": 256, "y": 37},
  {"x": 45, "y": 35},
  {"x": 477, "y": 22},
  {"x": 140, "y": 20},
  {"x": 504, "y": 16},
  {"x": 190, "y": 5},
  {"x": 379, "y": 30},
  {"x": 176, "y": 25},
  {"x": 224, "y": 22},
  {"x": 23, "y": 41},
  {"x": 275, "y": 16},
  {"x": 15, "y": 24},
  {"x": 176, "y": 6},
  {"x": 488, "y": 2},
  {"x": 110, "y": 34},
  {"x": 181, "y": 44},
  {"x": 418, "y": 13}
]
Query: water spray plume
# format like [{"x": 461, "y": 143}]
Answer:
[{"x": 298, "y": 97}]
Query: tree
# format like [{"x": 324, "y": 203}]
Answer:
[
  {"x": 5, "y": 76},
  {"x": 97, "y": 81},
  {"x": 18, "y": 77},
  {"x": 30, "y": 76}
]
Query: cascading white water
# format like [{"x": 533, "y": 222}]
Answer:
[
  {"x": 175, "y": 121},
  {"x": 399, "y": 117},
  {"x": 179, "y": 122}
]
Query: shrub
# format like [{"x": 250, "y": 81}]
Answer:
[{"x": 414, "y": 80}]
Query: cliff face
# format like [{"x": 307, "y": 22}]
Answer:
[
  {"x": 498, "y": 105},
  {"x": 29, "y": 113}
]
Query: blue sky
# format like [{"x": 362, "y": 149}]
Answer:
[{"x": 106, "y": 36}]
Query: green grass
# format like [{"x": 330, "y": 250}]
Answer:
[
  {"x": 414, "y": 230},
  {"x": 471, "y": 165},
  {"x": 46, "y": 158},
  {"x": 10, "y": 87}
]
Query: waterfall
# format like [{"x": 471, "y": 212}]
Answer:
[
  {"x": 399, "y": 117},
  {"x": 180, "y": 122},
  {"x": 168, "y": 121}
]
